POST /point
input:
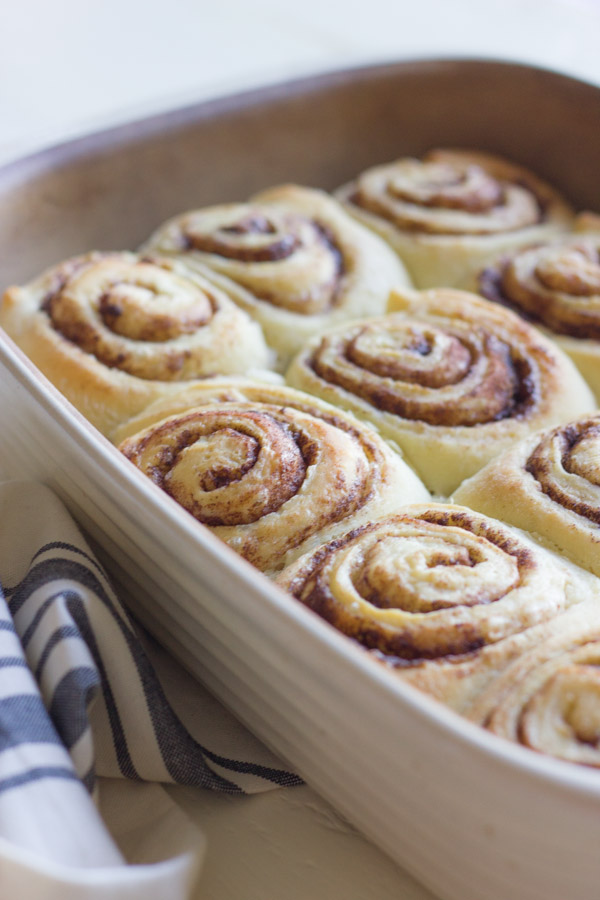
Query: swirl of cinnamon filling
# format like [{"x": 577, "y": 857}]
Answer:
[
  {"x": 557, "y": 285},
  {"x": 291, "y": 257},
  {"x": 267, "y": 478},
  {"x": 544, "y": 691},
  {"x": 431, "y": 582},
  {"x": 452, "y": 193},
  {"x": 451, "y": 378},
  {"x": 283, "y": 257},
  {"x": 453, "y": 373},
  {"x": 556, "y": 709},
  {"x": 116, "y": 331},
  {"x": 566, "y": 466},
  {"x": 135, "y": 314},
  {"x": 547, "y": 484}
]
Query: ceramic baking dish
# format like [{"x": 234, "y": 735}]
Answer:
[{"x": 472, "y": 816}]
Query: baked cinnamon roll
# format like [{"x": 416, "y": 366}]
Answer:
[
  {"x": 549, "y": 484},
  {"x": 451, "y": 379},
  {"x": 472, "y": 612},
  {"x": 446, "y": 214},
  {"x": 548, "y": 697},
  {"x": 555, "y": 285},
  {"x": 273, "y": 474},
  {"x": 431, "y": 582},
  {"x": 290, "y": 257},
  {"x": 114, "y": 331}
]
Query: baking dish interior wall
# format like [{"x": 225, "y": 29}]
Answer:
[{"x": 108, "y": 191}]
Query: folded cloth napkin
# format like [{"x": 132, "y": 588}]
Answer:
[{"x": 79, "y": 695}]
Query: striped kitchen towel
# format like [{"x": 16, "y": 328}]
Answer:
[{"x": 79, "y": 695}]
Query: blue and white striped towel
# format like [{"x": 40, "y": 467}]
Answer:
[{"x": 79, "y": 695}]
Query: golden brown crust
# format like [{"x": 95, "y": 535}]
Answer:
[
  {"x": 270, "y": 478},
  {"x": 114, "y": 331},
  {"x": 447, "y": 213},
  {"x": 451, "y": 379},
  {"x": 291, "y": 257}
]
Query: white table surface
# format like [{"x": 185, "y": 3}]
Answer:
[{"x": 68, "y": 67}]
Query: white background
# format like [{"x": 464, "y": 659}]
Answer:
[{"x": 67, "y": 66}]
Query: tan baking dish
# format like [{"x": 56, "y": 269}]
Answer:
[{"x": 473, "y": 817}]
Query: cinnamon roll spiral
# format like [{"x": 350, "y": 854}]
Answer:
[
  {"x": 549, "y": 485},
  {"x": 430, "y": 583},
  {"x": 548, "y": 698},
  {"x": 474, "y": 613},
  {"x": 449, "y": 212},
  {"x": 555, "y": 285},
  {"x": 451, "y": 379},
  {"x": 290, "y": 257},
  {"x": 271, "y": 479},
  {"x": 114, "y": 331}
]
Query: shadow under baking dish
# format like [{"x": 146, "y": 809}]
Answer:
[{"x": 472, "y": 816}]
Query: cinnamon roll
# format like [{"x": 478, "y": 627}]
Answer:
[
  {"x": 290, "y": 257},
  {"x": 555, "y": 285},
  {"x": 446, "y": 214},
  {"x": 548, "y": 698},
  {"x": 274, "y": 474},
  {"x": 114, "y": 331},
  {"x": 430, "y": 583},
  {"x": 451, "y": 379},
  {"x": 472, "y": 612},
  {"x": 549, "y": 484}
]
